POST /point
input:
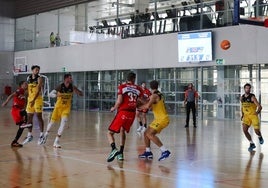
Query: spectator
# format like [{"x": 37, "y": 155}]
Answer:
[
  {"x": 137, "y": 20},
  {"x": 175, "y": 18},
  {"x": 148, "y": 24},
  {"x": 52, "y": 39},
  {"x": 58, "y": 40}
]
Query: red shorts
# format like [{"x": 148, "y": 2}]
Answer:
[
  {"x": 122, "y": 119},
  {"x": 17, "y": 115}
]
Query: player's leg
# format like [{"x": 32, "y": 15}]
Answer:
[
  {"x": 155, "y": 128},
  {"x": 114, "y": 127},
  {"x": 29, "y": 136},
  {"x": 30, "y": 113},
  {"x": 147, "y": 153},
  {"x": 18, "y": 135},
  {"x": 23, "y": 116},
  {"x": 194, "y": 114},
  {"x": 55, "y": 116},
  {"x": 41, "y": 126},
  {"x": 120, "y": 155},
  {"x": 138, "y": 115},
  {"x": 125, "y": 125},
  {"x": 63, "y": 123},
  {"x": 114, "y": 152},
  {"x": 50, "y": 124},
  {"x": 38, "y": 107},
  {"x": 246, "y": 133},
  {"x": 258, "y": 132},
  {"x": 18, "y": 119},
  {"x": 256, "y": 125},
  {"x": 187, "y": 114},
  {"x": 144, "y": 121}
]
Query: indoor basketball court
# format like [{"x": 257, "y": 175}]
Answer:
[{"x": 213, "y": 155}]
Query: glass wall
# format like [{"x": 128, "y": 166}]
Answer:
[
  {"x": 263, "y": 91},
  {"x": 24, "y": 33},
  {"x": 219, "y": 88},
  {"x": 46, "y": 23}
]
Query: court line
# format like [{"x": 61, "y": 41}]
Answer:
[{"x": 116, "y": 168}]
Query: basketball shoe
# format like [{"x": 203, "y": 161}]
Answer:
[
  {"x": 24, "y": 125},
  {"x": 56, "y": 144},
  {"x": 164, "y": 155},
  {"x": 146, "y": 155},
  {"x": 261, "y": 140},
  {"x": 27, "y": 139},
  {"x": 120, "y": 157},
  {"x": 16, "y": 144},
  {"x": 251, "y": 147},
  {"x": 112, "y": 155}
]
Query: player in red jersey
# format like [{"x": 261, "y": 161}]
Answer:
[
  {"x": 18, "y": 111},
  {"x": 141, "y": 114},
  {"x": 126, "y": 102}
]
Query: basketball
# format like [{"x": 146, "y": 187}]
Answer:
[
  {"x": 225, "y": 44},
  {"x": 53, "y": 94}
]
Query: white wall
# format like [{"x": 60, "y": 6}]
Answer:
[{"x": 248, "y": 46}]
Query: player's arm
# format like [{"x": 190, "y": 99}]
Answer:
[
  {"x": 152, "y": 99},
  {"x": 259, "y": 107},
  {"x": 58, "y": 93},
  {"x": 117, "y": 103},
  {"x": 77, "y": 91},
  {"x": 8, "y": 99},
  {"x": 242, "y": 113}
]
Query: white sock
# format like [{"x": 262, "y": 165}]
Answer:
[
  {"x": 251, "y": 142},
  {"x": 163, "y": 148},
  {"x": 41, "y": 134},
  {"x": 148, "y": 149},
  {"x": 29, "y": 134},
  {"x": 50, "y": 125},
  {"x": 57, "y": 139},
  {"x": 62, "y": 125}
]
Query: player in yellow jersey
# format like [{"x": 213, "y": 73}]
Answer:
[
  {"x": 34, "y": 102},
  {"x": 250, "y": 108},
  {"x": 62, "y": 107},
  {"x": 161, "y": 121}
]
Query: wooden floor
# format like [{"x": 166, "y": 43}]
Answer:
[{"x": 212, "y": 156}]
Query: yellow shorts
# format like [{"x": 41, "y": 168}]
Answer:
[
  {"x": 59, "y": 112},
  {"x": 159, "y": 124},
  {"x": 251, "y": 120},
  {"x": 37, "y": 107}
]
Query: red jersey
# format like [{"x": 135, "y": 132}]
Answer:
[
  {"x": 130, "y": 94},
  {"x": 146, "y": 93},
  {"x": 19, "y": 100}
]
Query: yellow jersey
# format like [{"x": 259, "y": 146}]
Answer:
[
  {"x": 248, "y": 106},
  {"x": 33, "y": 87},
  {"x": 159, "y": 108},
  {"x": 64, "y": 100}
]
